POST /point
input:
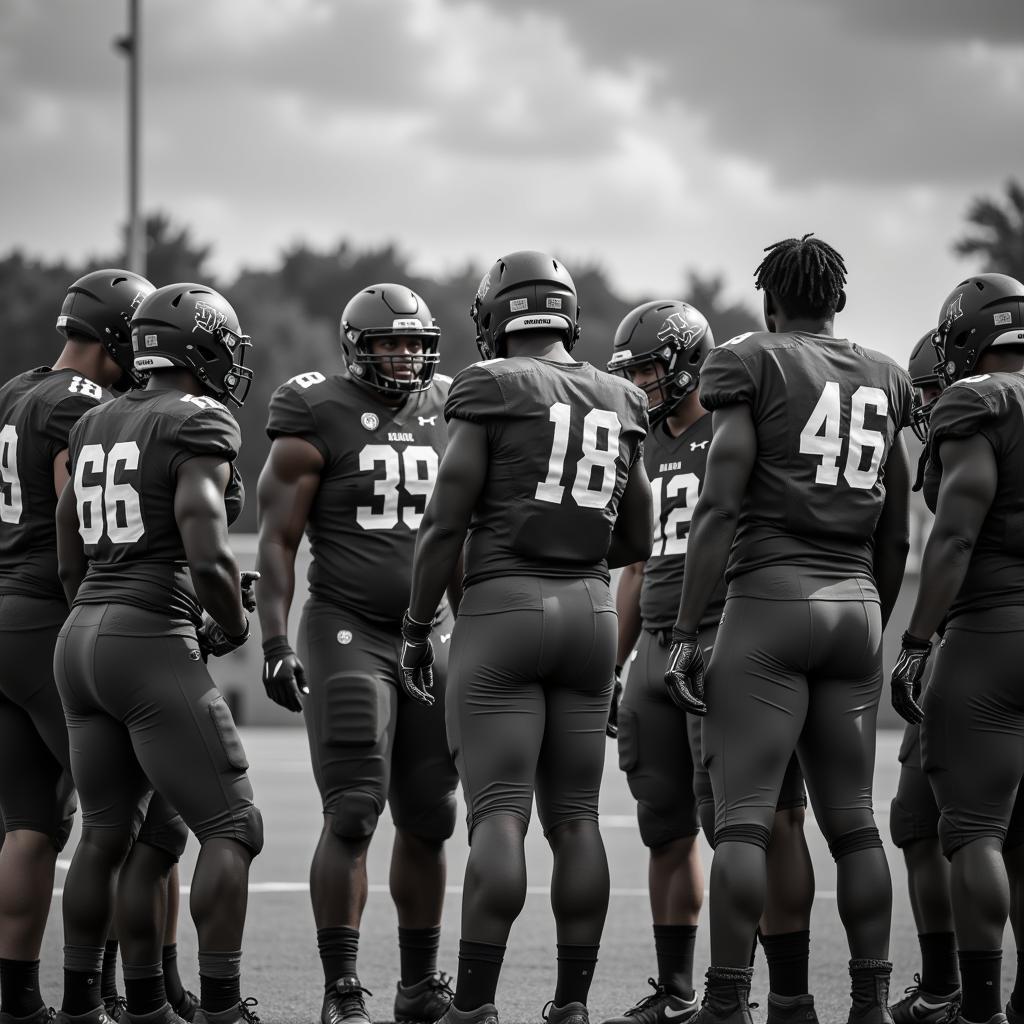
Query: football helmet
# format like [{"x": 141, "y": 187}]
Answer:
[
  {"x": 922, "y": 375},
  {"x": 99, "y": 306},
  {"x": 524, "y": 291},
  {"x": 194, "y": 327},
  {"x": 984, "y": 311},
  {"x": 389, "y": 311},
  {"x": 673, "y": 337}
]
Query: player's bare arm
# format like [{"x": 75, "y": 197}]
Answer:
[
  {"x": 730, "y": 462},
  {"x": 202, "y": 522},
  {"x": 633, "y": 531},
  {"x": 61, "y": 474},
  {"x": 892, "y": 534},
  {"x": 71, "y": 559},
  {"x": 627, "y": 607}
]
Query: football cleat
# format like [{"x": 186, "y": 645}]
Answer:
[
  {"x": 241, "y": 1013},
  {"x": 115, "y": 1007},
  {"x": 186, "y": 1007},
  {"x": 486, "y": 1014},
  {"x": 165, "y": 1015},
  {"x": 571, "y": 1013},
  {"x": 344, "y": 1003},
  {"x": 920, "y": 1007},
  {"x": 424, "y": 1002},
  {"x": 97, "y": 1015},
  {"x": 43, "y": 1015},
  {"x": 660, "y": 1007},
  {"x": 791, "y": 1009}
]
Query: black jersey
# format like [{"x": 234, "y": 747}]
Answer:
[
  {"x": 562, "y": 438},
  {"x": 827, "y": 413},
  {"x": 125, "y": 457},
  {"x": 37, "y": 411},
  {"x": 991, "y": 405},
  {"x": 676, "y": 467},
  {"x": 380, "y": 465}
]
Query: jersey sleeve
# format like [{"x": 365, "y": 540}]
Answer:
[
  {"x": 475, "y": 395},
  {"x": 725, "y": 380},
  {"x": 291, "y": 416},
  {"x": 210, "y": 431},
  {"x": 58, "y": 419},
  {"x": 961, "y": 411},
  {"x": 903, "y": 398}
]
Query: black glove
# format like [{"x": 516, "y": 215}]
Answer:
[
  {"x": 284, "y": 678},
  {"x": 906, "y": 678},
  {"x": 215, "y": 642},
  {"x": 684, "y": 676},
  {"x": 612, "y": 728},
  {"x": 247, "y": 581},
  {"x": 417, "y": 673}
]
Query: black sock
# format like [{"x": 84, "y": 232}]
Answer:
[
  {"x": 479, "y": 967},
  {"x": 417, "y": 949},
  {"x": 220, "y": 980},
  {"x": 979, "y": 976},
  {"x": 1017, "y": 995},
  {"x": 787, "y": 954},
  {"x": 339, "y": 949},
  {"x": 575, "y": 973},
  {"x": 939, "y": 972},
  {"x": 19, "y": 987},
  {"x": 81, "y": 992},
  {"x": 144, "y": 988},
  {"x": 108, "y": 984},
  {"x": 673, "y": 946},
  {"x": 172, "y": 980}
]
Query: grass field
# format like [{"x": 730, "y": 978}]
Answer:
[{"x": 282, "y": 970}]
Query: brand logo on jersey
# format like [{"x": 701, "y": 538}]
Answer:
[
  {"x": 400, "y": 437},
  {"x": 208, "y": 318},
  {"x": 694, "y": 445},
  {"x": 369, "y": 421},
  {"x": 344, "y": 636},
  {"x": 955, "y": 309},
  {"x": 428, "y": 421},
  {"x": 678, "y": 329},
  {"x": 193, "y": 654}
]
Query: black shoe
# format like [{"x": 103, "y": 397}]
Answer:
[
  {"x": 486, "y": 1014},
  {"x": 920, "y": 1007},
  {"x": 571, "y": 1013},
  {"x": 424, "y": 1002},
  {"x": 791, "y": 1009},
  {"x": 660, "y": 1007},
  {"x": 726, "y": 997},
  {"x": 241, "y": 1013},
  {"x": 97, "y": 1015},
  {"x": 165, "y": 1015},
  {"x": 43, "y": 1015},
  {"x": 869, "y": 992},
  {"x": 344, "y": 1003}
]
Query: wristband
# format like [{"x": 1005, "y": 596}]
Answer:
[
  {"x": 240, "y": 638},
  {"x": 683, "y": 636},
  {"x": 276, "y": 645},
  {"x": 912, "y": 643},
  {"x": 416, "y": 632}
]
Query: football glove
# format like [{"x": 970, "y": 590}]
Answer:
[
  {"x": 417, "y": 660},
  {"x": 284, "y": 678},
  {"x": 247, "y": 581},
  {"x": 684, "y": 676},
  {"x": 215, "y": 642},
  {"x": 906, "y": 678},
  {"x": 612, "y": 728}
]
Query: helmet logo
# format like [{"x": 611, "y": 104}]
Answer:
[
  {"x": 678, "y": 329},
  {"x": 954, "y": 310},
  {"x": 519, "y": 305},
  {"x": 208, "y": 318},
  {"x": 485, "y": 286},
  {"x": 369, "y": 421},
  {"x": 139, "y": 296}
]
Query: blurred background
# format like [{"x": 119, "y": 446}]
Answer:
[{"x": 290, "y": 152}]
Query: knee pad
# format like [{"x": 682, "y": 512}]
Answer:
[
  {"x": 169, "y": 836},
  {"x": 354, "y": 816},
  {"x": 434, "y": 825},
  {"x": 252, "y": 830},
  {"x": 753, "y": 835},
  {"x": 866, "y": 838}
]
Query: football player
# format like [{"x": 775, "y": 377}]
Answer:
[
  {"x": 660, "y": 346},
  {"x": 914, "y": 815},
  {"x": 806, "y": 499},
  {"x": 143, "y": 549},
  {"x": 972, "y": 576},
  {"x": 353, "y": 461},
  {"x": 544, "y": 482}
]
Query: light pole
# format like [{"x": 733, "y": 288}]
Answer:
[{"x": 130, "y": 46}]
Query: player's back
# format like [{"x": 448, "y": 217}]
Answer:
[
  {"x": 991, "y": 405},
  {"x": 37, "y": 411},
  {"x": 827, "y": 413},
  {"x": 562, "y": 438},
  {"x": 125, "y": 459}
]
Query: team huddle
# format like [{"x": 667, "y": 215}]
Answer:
[{"x": 461, "y": 628}]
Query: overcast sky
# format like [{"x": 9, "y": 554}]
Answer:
[{"x": 650, "y": 135}]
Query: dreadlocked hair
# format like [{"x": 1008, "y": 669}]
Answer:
[{"x": 806, "y": 275}]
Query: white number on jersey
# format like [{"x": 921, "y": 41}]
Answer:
[
  {"x": 308, "y": 379},
  {"x": 81, "y": 386},
  {"x": 203, "y": 401},
  {"x": 821, "y": 436},
  {"x": 670, "y": 537},
  {"x": 415, "y": 470},
  {"x": 118, "y": 503},
  {"x": 10, "y": 495},
  {"x": 586, "y": 491}
]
